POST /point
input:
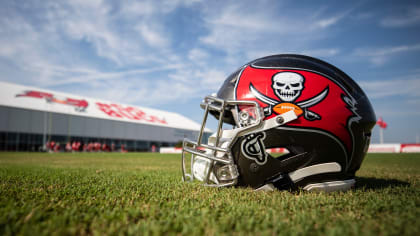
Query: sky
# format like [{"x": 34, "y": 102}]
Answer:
[{"x": 169, "y": 54}]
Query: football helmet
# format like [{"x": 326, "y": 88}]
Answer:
[{"x": 305, "y": 106}]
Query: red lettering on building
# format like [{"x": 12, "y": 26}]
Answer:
[
  {"x": 131, "y": 113},
  {"x": 79, "y": 104},
  {"x": 107, "y": 109},
  {"x": 157, "y": 120}
]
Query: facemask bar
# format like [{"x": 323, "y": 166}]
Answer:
[{"x": 214, "y": 152}]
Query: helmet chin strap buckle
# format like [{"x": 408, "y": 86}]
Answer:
[
  {"x": 266, "y": 188},
  {"x": 280, "y": 182}
]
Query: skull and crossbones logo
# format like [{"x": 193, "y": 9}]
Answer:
[{"x": 288, "y": 86}]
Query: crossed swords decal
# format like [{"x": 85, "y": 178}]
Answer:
[{"x": 309, "y": 115}]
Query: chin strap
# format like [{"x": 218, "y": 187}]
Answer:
[
  {"x": 279, "y": 182},
  {"x": 283, "y": 182},
  {"x": 282, "y": 179},
  {"x": 287, "y": 181}
]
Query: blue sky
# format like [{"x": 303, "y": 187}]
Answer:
[{"x": 170, "y": 54}]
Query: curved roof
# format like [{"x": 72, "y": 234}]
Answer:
[{"x": 13, "y": 95}]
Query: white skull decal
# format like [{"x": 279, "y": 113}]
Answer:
[{"x": 288, "y": 85}]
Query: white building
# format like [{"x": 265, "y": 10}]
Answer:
[{"x": 30, "y": 117}]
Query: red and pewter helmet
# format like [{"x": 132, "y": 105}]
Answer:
[{"x": 301, "y": 104}]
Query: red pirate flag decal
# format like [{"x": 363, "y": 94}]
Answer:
[{"x": 312, "y": 96}]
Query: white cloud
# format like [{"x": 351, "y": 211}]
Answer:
[
  {"x": 324, "y": 23},
  {"x": 232, "y": 28},
  {"x": 322, "y": 52},
  {"x": 414, "y": 101},
  {"x": 50, "y": 51},
  {"x": 411, "y": 17},
  {"x": 152, "y": 36},
  {"x": 330, "y": 21},
  {"x": 140, "y": 8},
  {"x": 363, "y": 15},
  {"x": 397, "y": 87},
  {"x": 94, "y": 23},
  {"x": 397, "y": 97},
  {"x": 151, "y": 93},
  {"x": 396, "y": 112},
  {"x": 91, "y": 76},
  {"x": 212, "y": 78},
  {"x": 379, "y": 56},
  {"x": 258, "y": 53},
  {"x": 245, "y": 33},
  {"x": 315, "y": 52},
  {"x": 198, "y": 56},
  {"x": 142, "y": 67}
]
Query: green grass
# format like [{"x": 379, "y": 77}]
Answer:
[{"x": 142, "y": 194}]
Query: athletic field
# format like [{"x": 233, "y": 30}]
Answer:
[{"x": 142, "y": 194}]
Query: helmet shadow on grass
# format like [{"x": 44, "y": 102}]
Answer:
[{"x": 375, "y": 183}]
